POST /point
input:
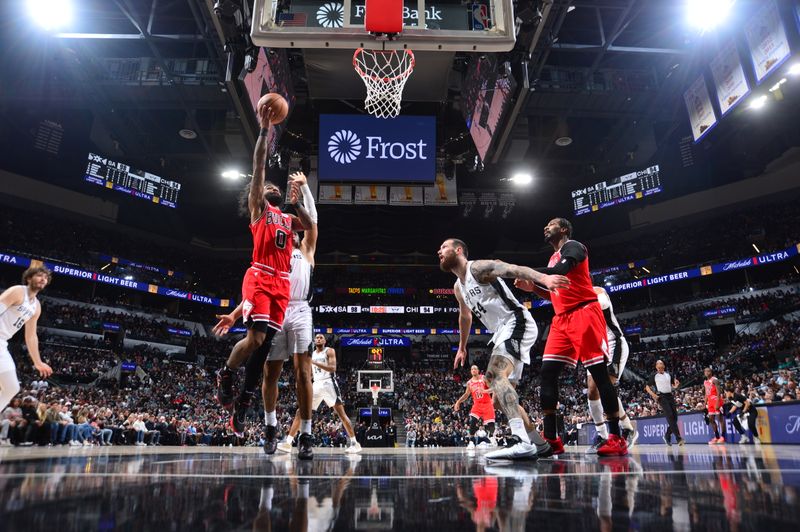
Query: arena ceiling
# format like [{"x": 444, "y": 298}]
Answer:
[{"x": 609, "y": 74}]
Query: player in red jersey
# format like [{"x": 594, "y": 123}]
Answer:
[
  {"x": 265, "y": 288},
  {"x": 578, "y": 334},
  {"x": 714, "y": 405},
  {"x": 482, "y": 412}
]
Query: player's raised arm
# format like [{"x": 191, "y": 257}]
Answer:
[
  {"x": 309, "y": 243},
  {"x": 486, "y": 271},
  {"x": 464, "y": 326},
  {"x": 255, "y": 199}
]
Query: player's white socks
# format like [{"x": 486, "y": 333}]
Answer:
[
  {"x": 353, "y": 440},
  {"x": 624, "y": 420},
  {"x": 289, "y": 439},
  {"x": 266, "y": 498},
  {"x": 596, "y": 411},
  {"x": 518, "y": 429},
  {"x": 305, "y": 426},
  {"x": 270, "y": 418}
]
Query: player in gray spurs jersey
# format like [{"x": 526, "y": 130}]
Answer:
[
  {"x": 480, "y": 290},
  {"x": 18, "y": 307},
  {"x": 323, "y": 361}
]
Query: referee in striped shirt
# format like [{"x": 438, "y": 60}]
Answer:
[{"x": 660, "y": 388}]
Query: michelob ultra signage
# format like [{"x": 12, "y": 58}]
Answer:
[{"x": 373, "y": 150}]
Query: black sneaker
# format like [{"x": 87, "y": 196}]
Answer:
[
  {"x": 270, "y": 439},
  {"x": 667, "y": 440},
  {"x": 304, "y": 451},
  {"x": 544, "y": 451},
  {"x": 225, "y": 388},
  {"x": 596, "y": 444},
  {"x": 239, "y": 416}
]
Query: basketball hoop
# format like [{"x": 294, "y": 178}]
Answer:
[
  {"x": 384, "y": 73},
  {"x": 375, "y": 390}
]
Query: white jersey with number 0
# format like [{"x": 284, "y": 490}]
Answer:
[
  {"x": 321, "y": 357},
  {"x": 15, "y": 316},
  {"x": 492, "y": 303}
]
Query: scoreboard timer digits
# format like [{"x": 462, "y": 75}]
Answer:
[{"x": 106, "y": 173}]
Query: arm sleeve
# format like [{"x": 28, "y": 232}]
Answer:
[
  {"x": 308, "y": 202},
  {"x": 571, "y": 254}
]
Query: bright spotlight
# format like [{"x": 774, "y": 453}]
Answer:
[
  {"x": 522, "y": 179},
  {"x": 758, "y": 102},
  {"x": 707, "y": 14},
  {"x": 50, "y": 14},
  {"x": 231, "y": 174},
  {"x": 794, "y": 70}
]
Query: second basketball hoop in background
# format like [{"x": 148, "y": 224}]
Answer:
[{"x": 384, "y": 73}]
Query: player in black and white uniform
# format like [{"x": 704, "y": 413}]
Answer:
[
  {"x": 295, "y": 337},
  {"x": 19, "y": 306},
  {"x": 326, "y": 389},
  {"x": 618, "y": 351},
  {"x": 480, "y": 290}
]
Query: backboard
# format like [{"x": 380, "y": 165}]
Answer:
[
  {"x": 368, "y": 377},
  {"x": 438, "y": 25}
]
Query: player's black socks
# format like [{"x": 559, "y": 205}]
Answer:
[
  {"x": 613, "y": 426},
  {"x": 550, "y": 426}
]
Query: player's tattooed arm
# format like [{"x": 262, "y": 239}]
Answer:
[
  {"x": 486, "y": 271},
  {"x": 255, "y": 198}
]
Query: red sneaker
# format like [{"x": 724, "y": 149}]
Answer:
[
  {"x": 557, "y": 445},
  {"x": 614, "y": 446}
]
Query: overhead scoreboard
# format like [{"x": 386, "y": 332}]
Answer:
[
  {"x": 114, "y": 175},
  {"x": 628, "y": 187}
]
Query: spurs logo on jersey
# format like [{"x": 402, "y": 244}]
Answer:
[
  {"x": 320, "y": 357},
  {"x": 300, "y": 277},
  {"x": 15, "y": 317},
  {"x": 493, "y": 303}
]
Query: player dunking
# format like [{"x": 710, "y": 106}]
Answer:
[
  {"x": 578, "y": 334},
  {"x": 482, "y": 412},
  {"x": 326, "y": 390},
  {"x": 480, "y": 289},
  {"x": 19, "y": 306},
  {"x": 714, "y": 405},
  {"x": 265, "y": 288}
]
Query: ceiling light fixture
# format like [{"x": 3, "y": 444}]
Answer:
[
  {"x": 758, "y": 102},
  {"x": 50, "y": 14},
  {"x": 521, "y": 178},
  {"x": 707, "y": 14}
]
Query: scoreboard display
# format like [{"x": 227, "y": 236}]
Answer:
[
  {"x": 375, "y": 355},
  {"x": 113, "y": 175},
  {"x": 628, "y": 187}
]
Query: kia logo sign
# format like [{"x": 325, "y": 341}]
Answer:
[{"x": 359, "y": 148}]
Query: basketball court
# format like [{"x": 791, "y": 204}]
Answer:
[
  {"x": 655, "y": 488},
  {"x": 390, "y": 65}
]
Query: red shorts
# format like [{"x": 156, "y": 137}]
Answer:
[
  {"x": 265, "y": 297},
  {"x": 713, "y": 404},
  {"x": 578, "y": 336},
  {"x": 484, "y": 412}
]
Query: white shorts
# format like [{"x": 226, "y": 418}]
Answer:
[
  {"x": 6, "y": 361},
  {"x": 296, "y": 334},
  {"x": 326, "y": 390},
  {"x": 514, "y": 340},
  {"x": 624, "y": 350}
]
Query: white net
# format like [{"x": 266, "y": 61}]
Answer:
[{"x": 385, "y": 73}]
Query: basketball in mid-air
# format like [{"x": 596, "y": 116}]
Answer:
[{"x": 277, "y": 104}]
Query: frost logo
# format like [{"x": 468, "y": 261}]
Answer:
[
  {"x": 331, "y": 15},
  {"x": 344, "y": 146}
]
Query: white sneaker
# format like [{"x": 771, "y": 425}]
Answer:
[
  {"x": 483, "y": 445},
  {"x": 74, "y": 443},
  {"x": 744, "y": 439},
  {"x": 516, "y": 450},
  {"x": 87, "y": 443},
  {"x": 285, "y": 446},
  {"x": 355, "y": 447},
  {"x": 493, "y": 441},
  {"x": 757, "y": 441},
  {"x": 471, "y": 444},
  {"x": 5, "y": 442}
]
